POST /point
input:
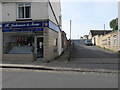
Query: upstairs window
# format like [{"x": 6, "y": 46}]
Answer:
[{"x": 24, "y": 10}]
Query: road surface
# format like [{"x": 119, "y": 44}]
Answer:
[
  {"x": 93, "y": 57},
  {"x": 52, "y": 79}
]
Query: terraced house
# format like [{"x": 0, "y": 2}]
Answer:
[
  {"x": 105, "y": 38},
  {"x": 31, "y": 30}
]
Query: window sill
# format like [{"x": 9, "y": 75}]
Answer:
[{"x": 24, "y": 19}]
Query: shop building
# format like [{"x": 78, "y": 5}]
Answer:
[{"x": 31, "y": 30}]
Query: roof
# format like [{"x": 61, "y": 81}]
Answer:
[
  {"x": 100, "y": 32},
  {"x": 85, "y": 36}
]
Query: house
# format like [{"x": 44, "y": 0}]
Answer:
[
  {"x": 31, "y": 30},
  {"x": 108, "y": 41},
  {"x": 85, "y": 37},
  {"x": 93, "y": 33}
]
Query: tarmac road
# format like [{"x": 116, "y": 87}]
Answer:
[
  {"x": 52, "y": 79},
  {"x": 93, "y": 57},
  {"x": 84, "y": 51}
]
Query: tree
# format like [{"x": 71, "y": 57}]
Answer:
[{"x": 114, "y": 24}]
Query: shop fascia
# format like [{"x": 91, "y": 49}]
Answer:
[{"x": 38, "y": 25}]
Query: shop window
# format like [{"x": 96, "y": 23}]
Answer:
[
  {"x": 114, "y": 40},
  {"x": 18, "y": 44},
  {"x": 24, "y": 11}
]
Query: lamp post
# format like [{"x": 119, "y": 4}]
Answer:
[{"x": 69, "y": 56}]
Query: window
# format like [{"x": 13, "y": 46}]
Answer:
[
  {"x": 114, "y": 40},
  {"x": 18, "y": 44},
  {"x": 108, "y": 41},
  {"x": 104, "y": 42},
  {"x": 24, "y": 10}
]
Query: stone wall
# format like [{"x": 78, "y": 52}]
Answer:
[
  {"x": 102, "y": 41},
  {"x": 50, "y": 49}
]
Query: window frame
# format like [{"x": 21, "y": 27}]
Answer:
[
  {"x": 115, "y": 39},
  {"x": 24, "y": 10},
  {"x": 109, "y": 41}
]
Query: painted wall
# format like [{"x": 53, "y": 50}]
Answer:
[
  {"x": 39, "y": 11},
  {"x": 55, "y": 6}
]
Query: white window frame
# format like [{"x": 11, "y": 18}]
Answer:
[
  {"x": 109, "y": 41},
  {"x": 115, "y": 39},
  {"x": 24, "y": 10}
]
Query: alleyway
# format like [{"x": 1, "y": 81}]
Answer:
[
  {"x": 93, "y": 57},
  {"x": 83, "y": 51}
]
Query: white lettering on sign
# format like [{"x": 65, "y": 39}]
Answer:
[{"x": 21, "y": 25}]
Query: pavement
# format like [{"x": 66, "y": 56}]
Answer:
[
  {"x": 83, "y": 59},
  {"x": 79, "y": 62}
]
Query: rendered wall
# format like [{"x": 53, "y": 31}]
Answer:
[{"x": 39, "y": 10}]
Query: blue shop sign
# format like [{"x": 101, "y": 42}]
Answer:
[
  {"x": 23, "y": 30},
  {"x": 24, "y": 26},
  {"x": 15, "y": 25}
]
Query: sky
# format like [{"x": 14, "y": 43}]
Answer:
[{"x": 87, "y": 16}]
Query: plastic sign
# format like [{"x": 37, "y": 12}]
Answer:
[{"x": 28, "y": 26}]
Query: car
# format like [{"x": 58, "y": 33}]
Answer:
[{"x": 88, "y": 42}]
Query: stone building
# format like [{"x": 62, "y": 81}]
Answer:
[
  {"x": 31, "y": 30},
  {"x": 108, "y": 41},
  {"x": 93, "y": 33}
]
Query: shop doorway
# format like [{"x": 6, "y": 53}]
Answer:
[{"x": 40, "y": 46}]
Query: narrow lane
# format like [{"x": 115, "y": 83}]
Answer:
[
  {"x": 93, "y": 57},
  {"x": 83, "y": 51}
]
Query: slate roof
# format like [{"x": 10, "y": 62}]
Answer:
[{"x": 99, "y": 32}]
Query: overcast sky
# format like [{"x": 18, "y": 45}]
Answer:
[{"x": 87, "y": 16}]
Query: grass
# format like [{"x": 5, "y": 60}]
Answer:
[{"x": 116, "y": 52}]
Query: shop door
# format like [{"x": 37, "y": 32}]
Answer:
[{"x": 40, "y": 47}]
